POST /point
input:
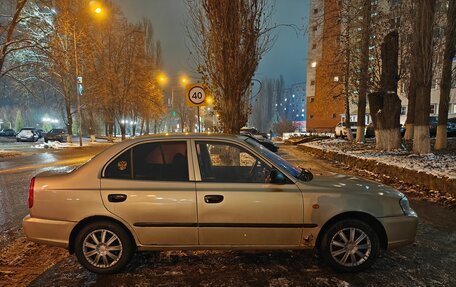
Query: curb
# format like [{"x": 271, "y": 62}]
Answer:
[{"x": 430, "y": 181}]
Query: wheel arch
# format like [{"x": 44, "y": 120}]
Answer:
[
  {"x": 362, "y": 216},
  {"x": 92, "y": 219}
]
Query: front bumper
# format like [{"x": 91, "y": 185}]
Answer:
[
  {"x": 52, "y": 232},
  {"x": 400, "y": 230}
]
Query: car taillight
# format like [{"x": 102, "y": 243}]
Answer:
[{"x": 31, "y": 193}]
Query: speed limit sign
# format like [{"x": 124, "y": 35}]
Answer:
[{"x": 196, "y": 95}]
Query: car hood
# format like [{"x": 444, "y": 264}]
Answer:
[{"x": 341, "y": 183}]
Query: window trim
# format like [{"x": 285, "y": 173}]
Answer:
[{"x": 191, "y": 171}]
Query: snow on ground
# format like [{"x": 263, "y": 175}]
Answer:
[
  {"x": 59, "y": 145},
  {"x": 439, "y": 164}
]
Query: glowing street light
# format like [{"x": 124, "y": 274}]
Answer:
[
  {"x": 162, "y": 78},
  {"x": 184, "y": 81},
  {"x": 98, "y": 10}
]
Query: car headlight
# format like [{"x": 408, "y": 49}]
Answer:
[{"x": 405, "y": 205}]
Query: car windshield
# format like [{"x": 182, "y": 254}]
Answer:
[
  {"x": 56, "y": 131},
  {"x": 25, "y": 133},
  {"x": 277, "y": 160}
]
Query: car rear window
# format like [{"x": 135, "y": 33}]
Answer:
[{"x": 159, "y": 161}]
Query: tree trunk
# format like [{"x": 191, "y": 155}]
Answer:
[
  {"x": 421, "y": 140},
  {"x": 123, "y": 131},
  {"x": 364, "y": 72},
  {"x": 445, "y": 82},
  {"x": 347, "y": 94},
  {"x": 385, "y": 106},
  {"x": 69, "y": 121},
  {"x": 409, "y": 124},
  {"x": 147, "y": 126}
]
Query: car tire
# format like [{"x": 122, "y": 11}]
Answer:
[
  {"x": 89, "y": 253},
  {"x": 340, "y": 249}
]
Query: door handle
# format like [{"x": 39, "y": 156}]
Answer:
[
  {"x": 117, "y": 197},
  {"x": 213, "y": 198}
]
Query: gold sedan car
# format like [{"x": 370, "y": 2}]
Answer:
[{"x": 212, "y": 192}]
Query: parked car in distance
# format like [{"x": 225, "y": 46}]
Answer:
[
  {"x": 433, "y": 123},
  {"x": 27, "y": 134},
  {"x": 451, "y": 127},
  {"x": 267, "y": 143},
  {"x": 7, "y": 133},
  {"x": 40, "y": 133},
  {"x": 56, "y": 135},
  {"x": 212, "y": 192},
  {"x": 341, "y": 130},
  {"x": 253, "y": 132}
]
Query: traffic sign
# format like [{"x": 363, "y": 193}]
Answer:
[{"x": 196, "y": 95}]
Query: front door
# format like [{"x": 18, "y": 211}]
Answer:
[
  {"x": 149, "y": 186},
  {"x": 236, "y": 203}
]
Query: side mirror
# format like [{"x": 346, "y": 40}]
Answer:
[
  {"x": 305, "y": 175},
  {"x": 276, "y": 177}
]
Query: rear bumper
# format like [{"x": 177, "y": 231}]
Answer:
[
  {"x": 400, "y": 230},
  {"x": 52, "y": 232}
]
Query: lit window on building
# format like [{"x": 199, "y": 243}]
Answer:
[
  {"x": 403, "y": 110},
  {"x": 313, "y": 65},
  {"x": 336, "y": 79}
]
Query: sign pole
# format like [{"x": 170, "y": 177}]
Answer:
[
  {"x": 196, "y": 96},
  {"x": 199, "y": 120}
]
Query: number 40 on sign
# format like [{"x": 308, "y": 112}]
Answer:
[{"x": 196, "y": 95}]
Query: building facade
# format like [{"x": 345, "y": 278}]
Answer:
[
  {"x": 324, "y": 101},
  {"x": 325, "y": 106}
]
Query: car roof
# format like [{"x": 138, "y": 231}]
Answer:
[{"x": 189, "y": 136}]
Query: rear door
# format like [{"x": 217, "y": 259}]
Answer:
[
  {"x": 150, "y": 186},
  {"x": 236, "y": 203}
]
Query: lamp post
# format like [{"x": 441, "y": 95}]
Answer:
[{"x": 97, "y": 10}]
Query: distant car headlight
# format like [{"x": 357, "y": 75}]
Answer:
[{"x": 405, "y": 205}]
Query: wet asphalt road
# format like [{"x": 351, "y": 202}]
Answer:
[
  {"x": 15, "y": 175},
  {"x": 429, "y": 262}
]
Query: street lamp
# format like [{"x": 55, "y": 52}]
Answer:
[{"x": 98, "y": 10}]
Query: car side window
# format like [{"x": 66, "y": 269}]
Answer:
[
  {"x": 161, "y": 161},
  {"x": 224, "y": 162},
  {"x": 120, "y": 167}
]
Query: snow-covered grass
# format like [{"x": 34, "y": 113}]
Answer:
[{"x": 439, "y": 164}]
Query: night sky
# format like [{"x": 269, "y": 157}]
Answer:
[{"x": 287, "y": 57}]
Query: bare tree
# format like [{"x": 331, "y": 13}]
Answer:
[
  {"x": 8, "y": 43},
  {"x": 446, "y": 79},
  {"x": 424, "y": 34},
  {"x": 229, "y": 37}
]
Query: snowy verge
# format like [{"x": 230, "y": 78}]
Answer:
[
  {"x": 59, "y": 145},
  {"x": 434, "y": 171}
]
